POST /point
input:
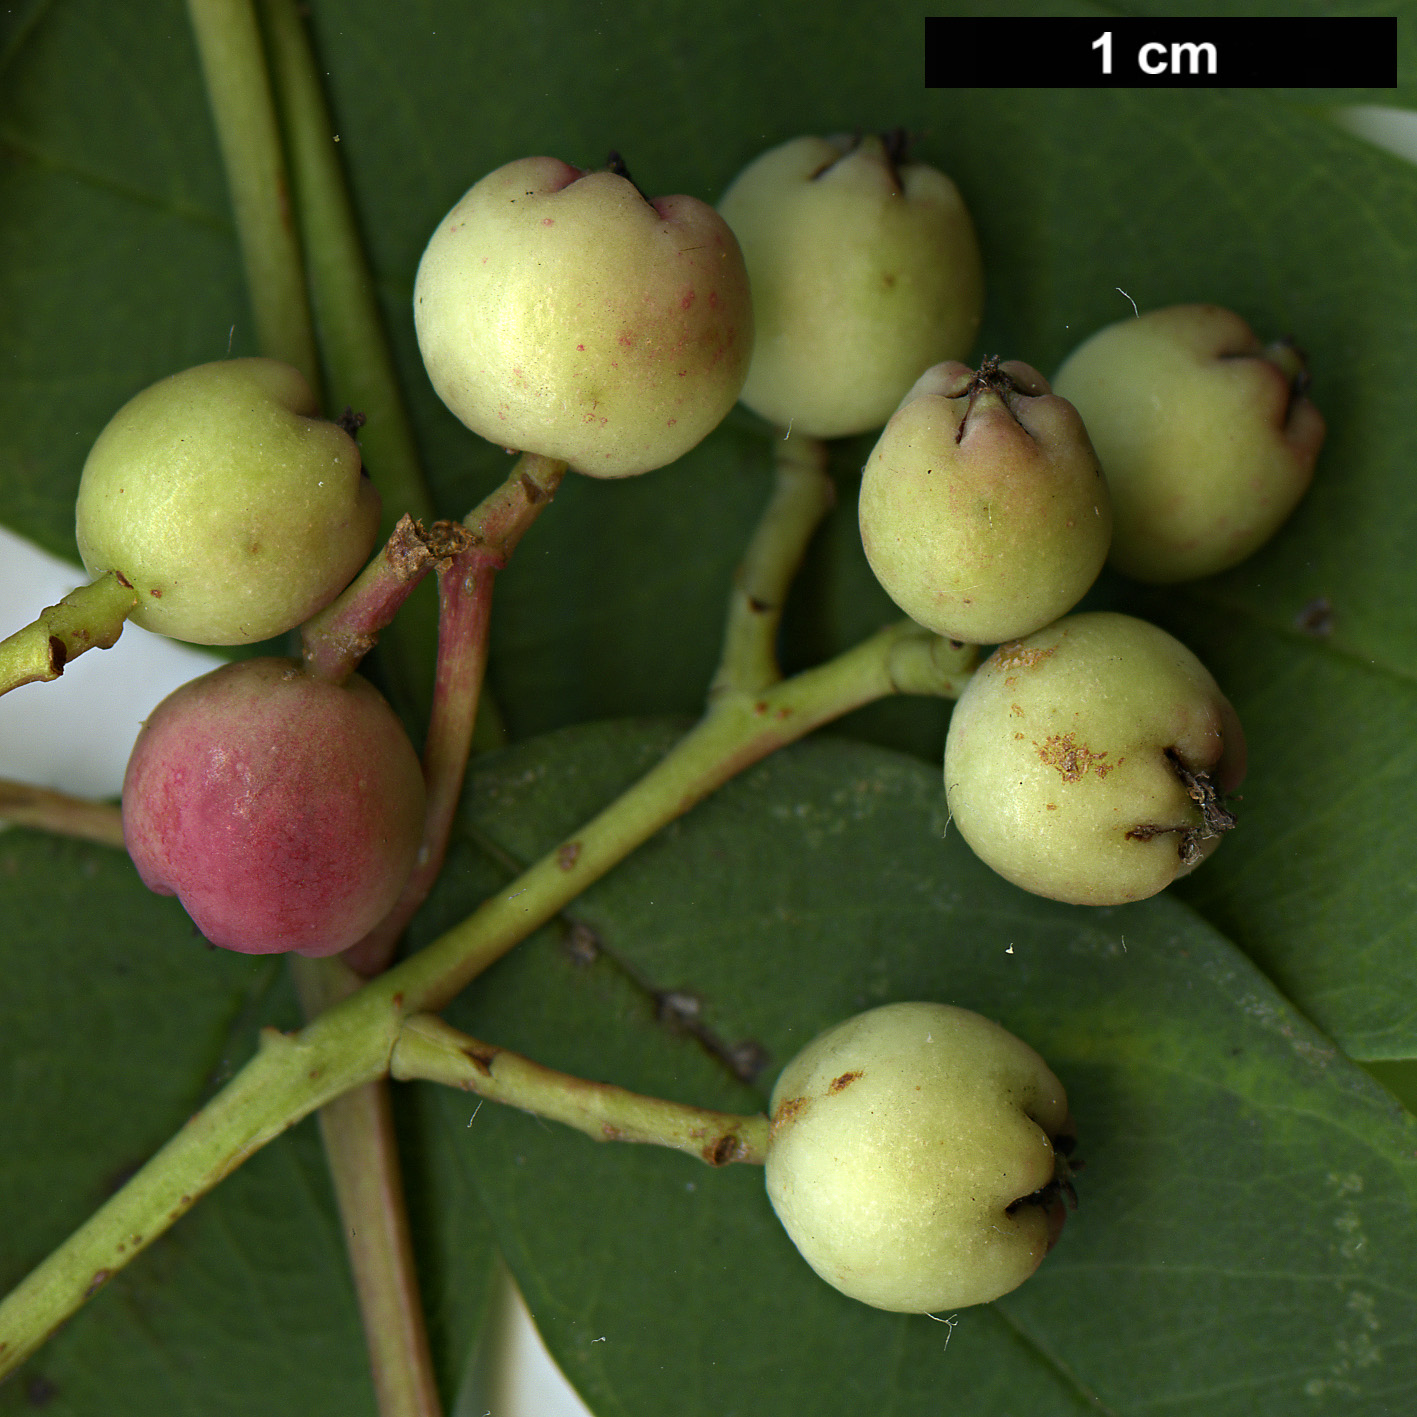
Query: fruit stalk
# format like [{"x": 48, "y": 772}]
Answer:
[
  {"x": 431, "y": 1050},
  {"x": 24, "y": 805},
  {"x": 91, "y": 617},
  {"x": 803, "y": 493},
  {"x": 333, "y": 642},
  {"x": 465, "y": 590},
  {"x": 239, "y": 91}
]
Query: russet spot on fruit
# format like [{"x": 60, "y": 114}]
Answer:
[{"x": 1089, "y": 762}]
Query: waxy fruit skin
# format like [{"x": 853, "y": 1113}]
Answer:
[
  {"x": 222, "y": 497},
  {"x": 561, "y": 313},
  {"x": 865, "y": 271},
  {"x": 1204, "y": 434},
  {"x": 907, "y": 1151},
  {"x": 283, "y": 811},
  {"x": 1061, "y": 763},
  {"x": 983, "y": 511}
]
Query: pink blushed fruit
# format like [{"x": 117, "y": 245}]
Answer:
[
  {"x": 284, "y": 812},
  {"x": 560, "y": 312}
]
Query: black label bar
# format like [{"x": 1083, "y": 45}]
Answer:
[{"x": 1289, "y": 52}]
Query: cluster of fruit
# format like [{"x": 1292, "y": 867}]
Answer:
[{"x": 918, "y": 1152}]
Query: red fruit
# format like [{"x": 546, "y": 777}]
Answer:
[{"x": 284, "y": 812}]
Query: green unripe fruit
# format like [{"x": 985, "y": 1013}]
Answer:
[
  {"x": 561, "y": 313},
  {"x": 911, "y": 1157},
  {"x": 1204, "y": 433},
  {"x": 233, "y": 509},
  {"x": 1088, "y": 762},
  {"x": 983, "y": 511},
  {"x": 865, "y": 270}
]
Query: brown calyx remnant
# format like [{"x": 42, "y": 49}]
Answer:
[
  {"x": 1014, "y": 656},
  {"x": 1216, "y": 818},
  {"x": 989, "y": 378},
  {"x": 1073, "y": 760},
  {"x": 844, "y": 1081}
]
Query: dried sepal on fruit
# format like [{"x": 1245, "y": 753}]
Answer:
[{"x": 983, "y": 511}]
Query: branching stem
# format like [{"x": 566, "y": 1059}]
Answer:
[
  {"x": 333, "y": 642},
  {"x": 465, "y": 583},
  {"x": 353, "y": 1041}
]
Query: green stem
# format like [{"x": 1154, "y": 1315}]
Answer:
[
  {"x": 289, "y": 1077},
  {"x": 803, "y": 494},
  {"x": 239, "y": 90},
  {"x": 357, "y": 1130},
  {"x": 739, "y": 730},
  {"x": 91, "y": 617},
  {"x": 356, "y": 352},
  {"x": 24, "y": 805},
  {"x": 429, "y": 1049},
  {"x": 353, "y": 343},
  {"x": 353, "y": 1041}
]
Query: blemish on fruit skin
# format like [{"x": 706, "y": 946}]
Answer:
[
  {"x": 787, "y": 1112},
  {"x": 688, "y": 300},
  {"x": 548, "y": 221},
  {"x": 843, "y": 1082},
  {"x": 1014, "y": 656},
  {"x": 1073, "y": 760}
]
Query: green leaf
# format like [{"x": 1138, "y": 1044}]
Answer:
[
  {"x": 118, "y": 266},
  {"x": 1243, "y": 1240},
  {"x": 117, "y": 1021}
]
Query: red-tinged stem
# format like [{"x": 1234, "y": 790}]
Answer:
[
  {"x": 24, "y": 805},
  {"x": 334, "y": 641},
  {"x": 465, "y": 600}
]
